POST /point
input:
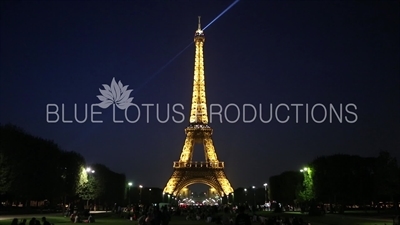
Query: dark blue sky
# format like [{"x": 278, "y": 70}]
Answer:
[{"x": 268, "y": 52}]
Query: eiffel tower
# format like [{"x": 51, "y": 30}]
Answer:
[{"x": 211, "y": 171}]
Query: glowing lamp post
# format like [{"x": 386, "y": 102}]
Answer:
[
  {"x": 140, "y": 193},
  {"x": 150, "y": 195},
  {"x": 254, "y": 194},
  {"x": 89, "y": 170},
  {"x": 305, "y": 169},
  {"x": 245, "y": 195},
  {"x": 266, "y": 192},
  {"x": 129, "y": 192}
]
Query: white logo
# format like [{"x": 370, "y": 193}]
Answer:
[{"x": 116, "y": 94}]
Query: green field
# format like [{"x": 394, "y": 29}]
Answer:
[
  {"x": 322, "y": 220},
  {"x": 335, "y": 219},
  {"x": 105, "y": 221},
  {"x": 63, "y": 220}
]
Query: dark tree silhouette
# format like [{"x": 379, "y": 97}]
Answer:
[
  {"x": 387, "y": 183},
  {"x": 35, "y": 169},
  {"x": 284, "y": 187}
]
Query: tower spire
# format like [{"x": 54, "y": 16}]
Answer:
[{"x": 199, "y": 24}]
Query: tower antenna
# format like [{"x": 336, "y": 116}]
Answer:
[{"x": 199, "y": 24}]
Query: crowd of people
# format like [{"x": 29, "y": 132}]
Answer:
[
  {"x": 74, "y": 217},
  {"x": 236, "y": 215},
  {"x": 225, "y": 215},
  {"x": 155, "y": 216},
  {"x": 161, "y": 215},
  {"x": 77, "y": 218},
  {"x": 33, "y": 221}
]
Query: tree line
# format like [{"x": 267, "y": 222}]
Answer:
[
  {"x": 341, "y": 179},
  {"x": 34, "y": 169}
]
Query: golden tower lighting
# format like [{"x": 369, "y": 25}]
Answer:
[{"x": 211, "y": 171}]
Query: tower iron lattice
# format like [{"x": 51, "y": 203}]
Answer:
[{"x": 211, "y": 171}]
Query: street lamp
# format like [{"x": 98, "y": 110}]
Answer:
[
  {"x": 305, "y": 169},
  {"x": 89, "y": 170},
  {"x": 140, "y": 193},
  {"x": 150, "y": 195},
  {"x": 266, "y": 193},
  {"x": 129, "y": 192},
  {"x": 254, "y": 194},
  {"x": 245, "y": 195}
]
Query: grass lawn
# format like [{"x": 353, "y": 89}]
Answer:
[
  {"x": 104, "y": 221},
  {"x": 334, "y": 219},
  {"x": 347, "y": 220},
  {"x": 318, "y": 220}
]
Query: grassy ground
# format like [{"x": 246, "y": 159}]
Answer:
[
  {"x": 334, "y": 219},
  {"x": 322, "y": 220},
  {"x": 104, "y": 221}
]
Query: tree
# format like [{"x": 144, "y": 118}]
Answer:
[
  {"x": 343, "y": 179},
  {"x": 5, "y": 174},
  {"x": 113, "y": 185},
  {"x": 32, "y": 168},
  {"x": 88, "y": 188},
  {"x": 386, "y": 178},
  {"x": 283, "y": 187},
  {"x": 306, "y": 193},
  {"x": 30, "y": 165},
  {"x": 71, "y": 164}
]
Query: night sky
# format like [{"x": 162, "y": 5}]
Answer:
[{"x": 258, "y": 52}]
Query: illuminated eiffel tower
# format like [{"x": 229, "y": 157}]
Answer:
[{"x": 211, "y": 171}]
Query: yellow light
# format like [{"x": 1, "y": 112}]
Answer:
[{"x": 198, "y": 132}]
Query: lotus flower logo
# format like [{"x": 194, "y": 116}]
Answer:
[{"x": 116, "y": 94}]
